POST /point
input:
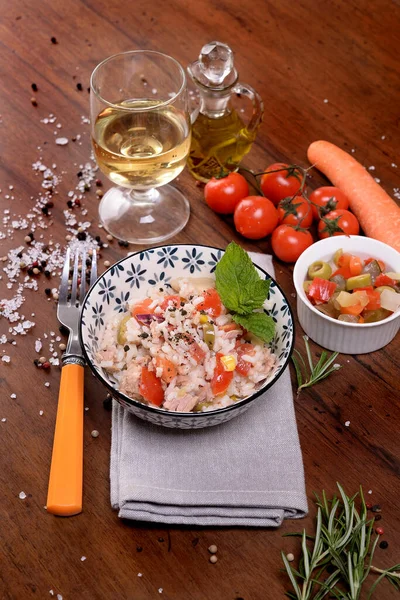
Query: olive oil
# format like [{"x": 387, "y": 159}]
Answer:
[
  {"x": 220, "y": 138},
  {"x": 218, "y": 145}
]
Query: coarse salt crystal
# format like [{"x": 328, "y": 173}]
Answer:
[
  {"x": 6, "y": 358},
  {"x": 347, "y": 423},
  {"x": 394, "y": 165},
  {"x": 326, "y": 101},
  {"x": 40, "y": 412},
  {"x": 59, "y": 597},
  {"x": 369, "y": 491},
  {"x": 83, "y": 558},
  {"x": 4, "y": 420},
  {"x": 62, "y": 141},
  {"x": 371, "y": 168},
  {"x": 51, "y": 592},
  {"x": 160, "y": 590},
  {"x": 38, "y": 345},
  {"x": 140, "y": 574},
  {"x": 377, "y": 179},
  {"x": 22, "y": 495},
  {"x": 47, "y": 384},
  {"x": 383, "y": 137},
  {"x": 13, "y": 396}
]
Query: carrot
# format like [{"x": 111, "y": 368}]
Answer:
[{"x": 378, "y": 214}]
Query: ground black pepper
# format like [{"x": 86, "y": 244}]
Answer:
[
  {"x": 53, "y": 40},
  {"x": 34, "y": 87},
  {"x": 79, "y": 87}
]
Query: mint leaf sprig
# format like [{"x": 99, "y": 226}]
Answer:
[{"x": 243, "y": 292}]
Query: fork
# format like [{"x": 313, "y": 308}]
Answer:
[{"x": 64, "y": 496}]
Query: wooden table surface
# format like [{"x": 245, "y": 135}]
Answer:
[{"x": 325, "y": 70}]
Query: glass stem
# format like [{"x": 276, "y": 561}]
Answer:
[{"x": 143, "y": 197}]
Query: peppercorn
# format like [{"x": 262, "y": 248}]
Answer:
[
  {"x": 36, "y": 362},
  {"x": 97, "y": 238},
  {"x": 79, "y": 174},
  {"x": 99, "y": 193},
  {"x": 53, "y": 40},
  {"x": 88, "y": 90},
  {"x": 19, "y": 255},
  {"x": 213, "y": 559},
  {"x": 46, "y": 365},
  {"x": 34, "y": 101},
  {"x": 45, "y": 210},
  {"x": 27, "y": 239},
  {"x": 368, "y": 505},
  {"x": 86, "y": 187},
  {"x": 79, "y": 87},
  {"x": 379, "y": 530},
  {"x": 139, "y": 549},
  {"x": 43, "y": 263},
  {"x": 376, "y": 508},
  {"x": 49, "y": 204},
  {"x": 160, "y": 539},
  {"x": 123, "y": 243},
  {"x": 212, "y": 549},
  {"x": 77, "y": 202},
  {"x": 30, "y": 271},
  {"x": 81, "y": 236},
  {"x": 378, "y": 517},
  {"x": 35, "y": 263},
  {"x": 35, "y": 271},
  {"x": 69, "y": 203},
  {"x": 383, "y": 545},
  {"x": 34, "y": 87},
  {"x": 47, "y": 274},
  {"x": 47, "y": 291},
  {"x": 99, "y": 183}
]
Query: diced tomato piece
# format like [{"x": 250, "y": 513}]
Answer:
[
  {"x": 343, "y": 271},
  {"x": 322, "y": 290},
  {"x": 196, "y": 352},
  {"x": 383, "y": 279},
  {"x": 169, "y": 370},
  {"x": 170, "y": 301},
  {"x": 221, "y": 378},
  {"x": 355, "y": 265},
  {"x": 212, "y": 303},
  {"x": 150, "y": 387},
  {"x": 243, "y": 366},
  {"x": 380, "y": 263},
  {"x": 142, "y": 308}
]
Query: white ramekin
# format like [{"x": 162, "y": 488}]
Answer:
[{"x": 347, "y": 338}]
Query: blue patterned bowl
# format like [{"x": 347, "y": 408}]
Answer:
[{"x": 130, "y": 279}]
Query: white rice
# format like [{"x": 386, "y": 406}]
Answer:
[{"x": 175, "y": 334}]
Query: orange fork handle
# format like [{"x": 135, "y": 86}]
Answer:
[{"x": 64, "y": 496}]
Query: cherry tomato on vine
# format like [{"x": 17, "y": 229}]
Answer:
[
  {"x": 338, "y": 222},
  {"x": 222, "y": 195},
  {"x": 255, "y": 217},
  {"x": 281, "y": 184},
  {"x": 327, "y": 198},
  {"x": 295, "y": 211},
  {"x": 288, "y": 242}
]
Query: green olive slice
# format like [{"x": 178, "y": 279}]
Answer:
[
  {"x": 358, "y": 281},
  {"x": 319, "y": 269},
  {"x": 306, "y": 285},
  {"x": 337, "y": 255}
]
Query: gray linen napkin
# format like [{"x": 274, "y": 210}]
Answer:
[{"x": 247, "y": 472}]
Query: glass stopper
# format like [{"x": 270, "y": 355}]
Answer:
[{"x": 216, "y": 61}]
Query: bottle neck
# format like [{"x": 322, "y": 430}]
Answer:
[{"x": 214, "y": 103}]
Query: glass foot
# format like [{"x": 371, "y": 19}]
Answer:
[{"x": 145, "y": 217}]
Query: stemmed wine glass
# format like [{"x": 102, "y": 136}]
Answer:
[{"x": 140, "y": 128}]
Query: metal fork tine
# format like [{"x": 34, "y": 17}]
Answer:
[
  {"x": 83, "y": 278},
  {"x": 75, "y": 279},
  {"x": 63, "y": 292},
  {"x": 93, "y": 273}
]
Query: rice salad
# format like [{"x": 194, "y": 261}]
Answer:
[{"x": 182, "y": 351}]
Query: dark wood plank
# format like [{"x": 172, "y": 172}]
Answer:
[{"x": 296, "y": 55}]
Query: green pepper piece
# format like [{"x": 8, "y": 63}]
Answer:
[
  {"x": 209, "y": 334},
  {"x": 121, "y": 336},
  {"x": 199, "y": 407},
  {"x": 358, "y": 281},
  {"x": 319, "y": 269}
]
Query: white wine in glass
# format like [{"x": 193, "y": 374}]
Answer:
[{"x": 141, "y": 144}]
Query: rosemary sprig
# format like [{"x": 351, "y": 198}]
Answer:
[
  {"x": 338, "y": 559},
  {"x": 324, "y": 367}
]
